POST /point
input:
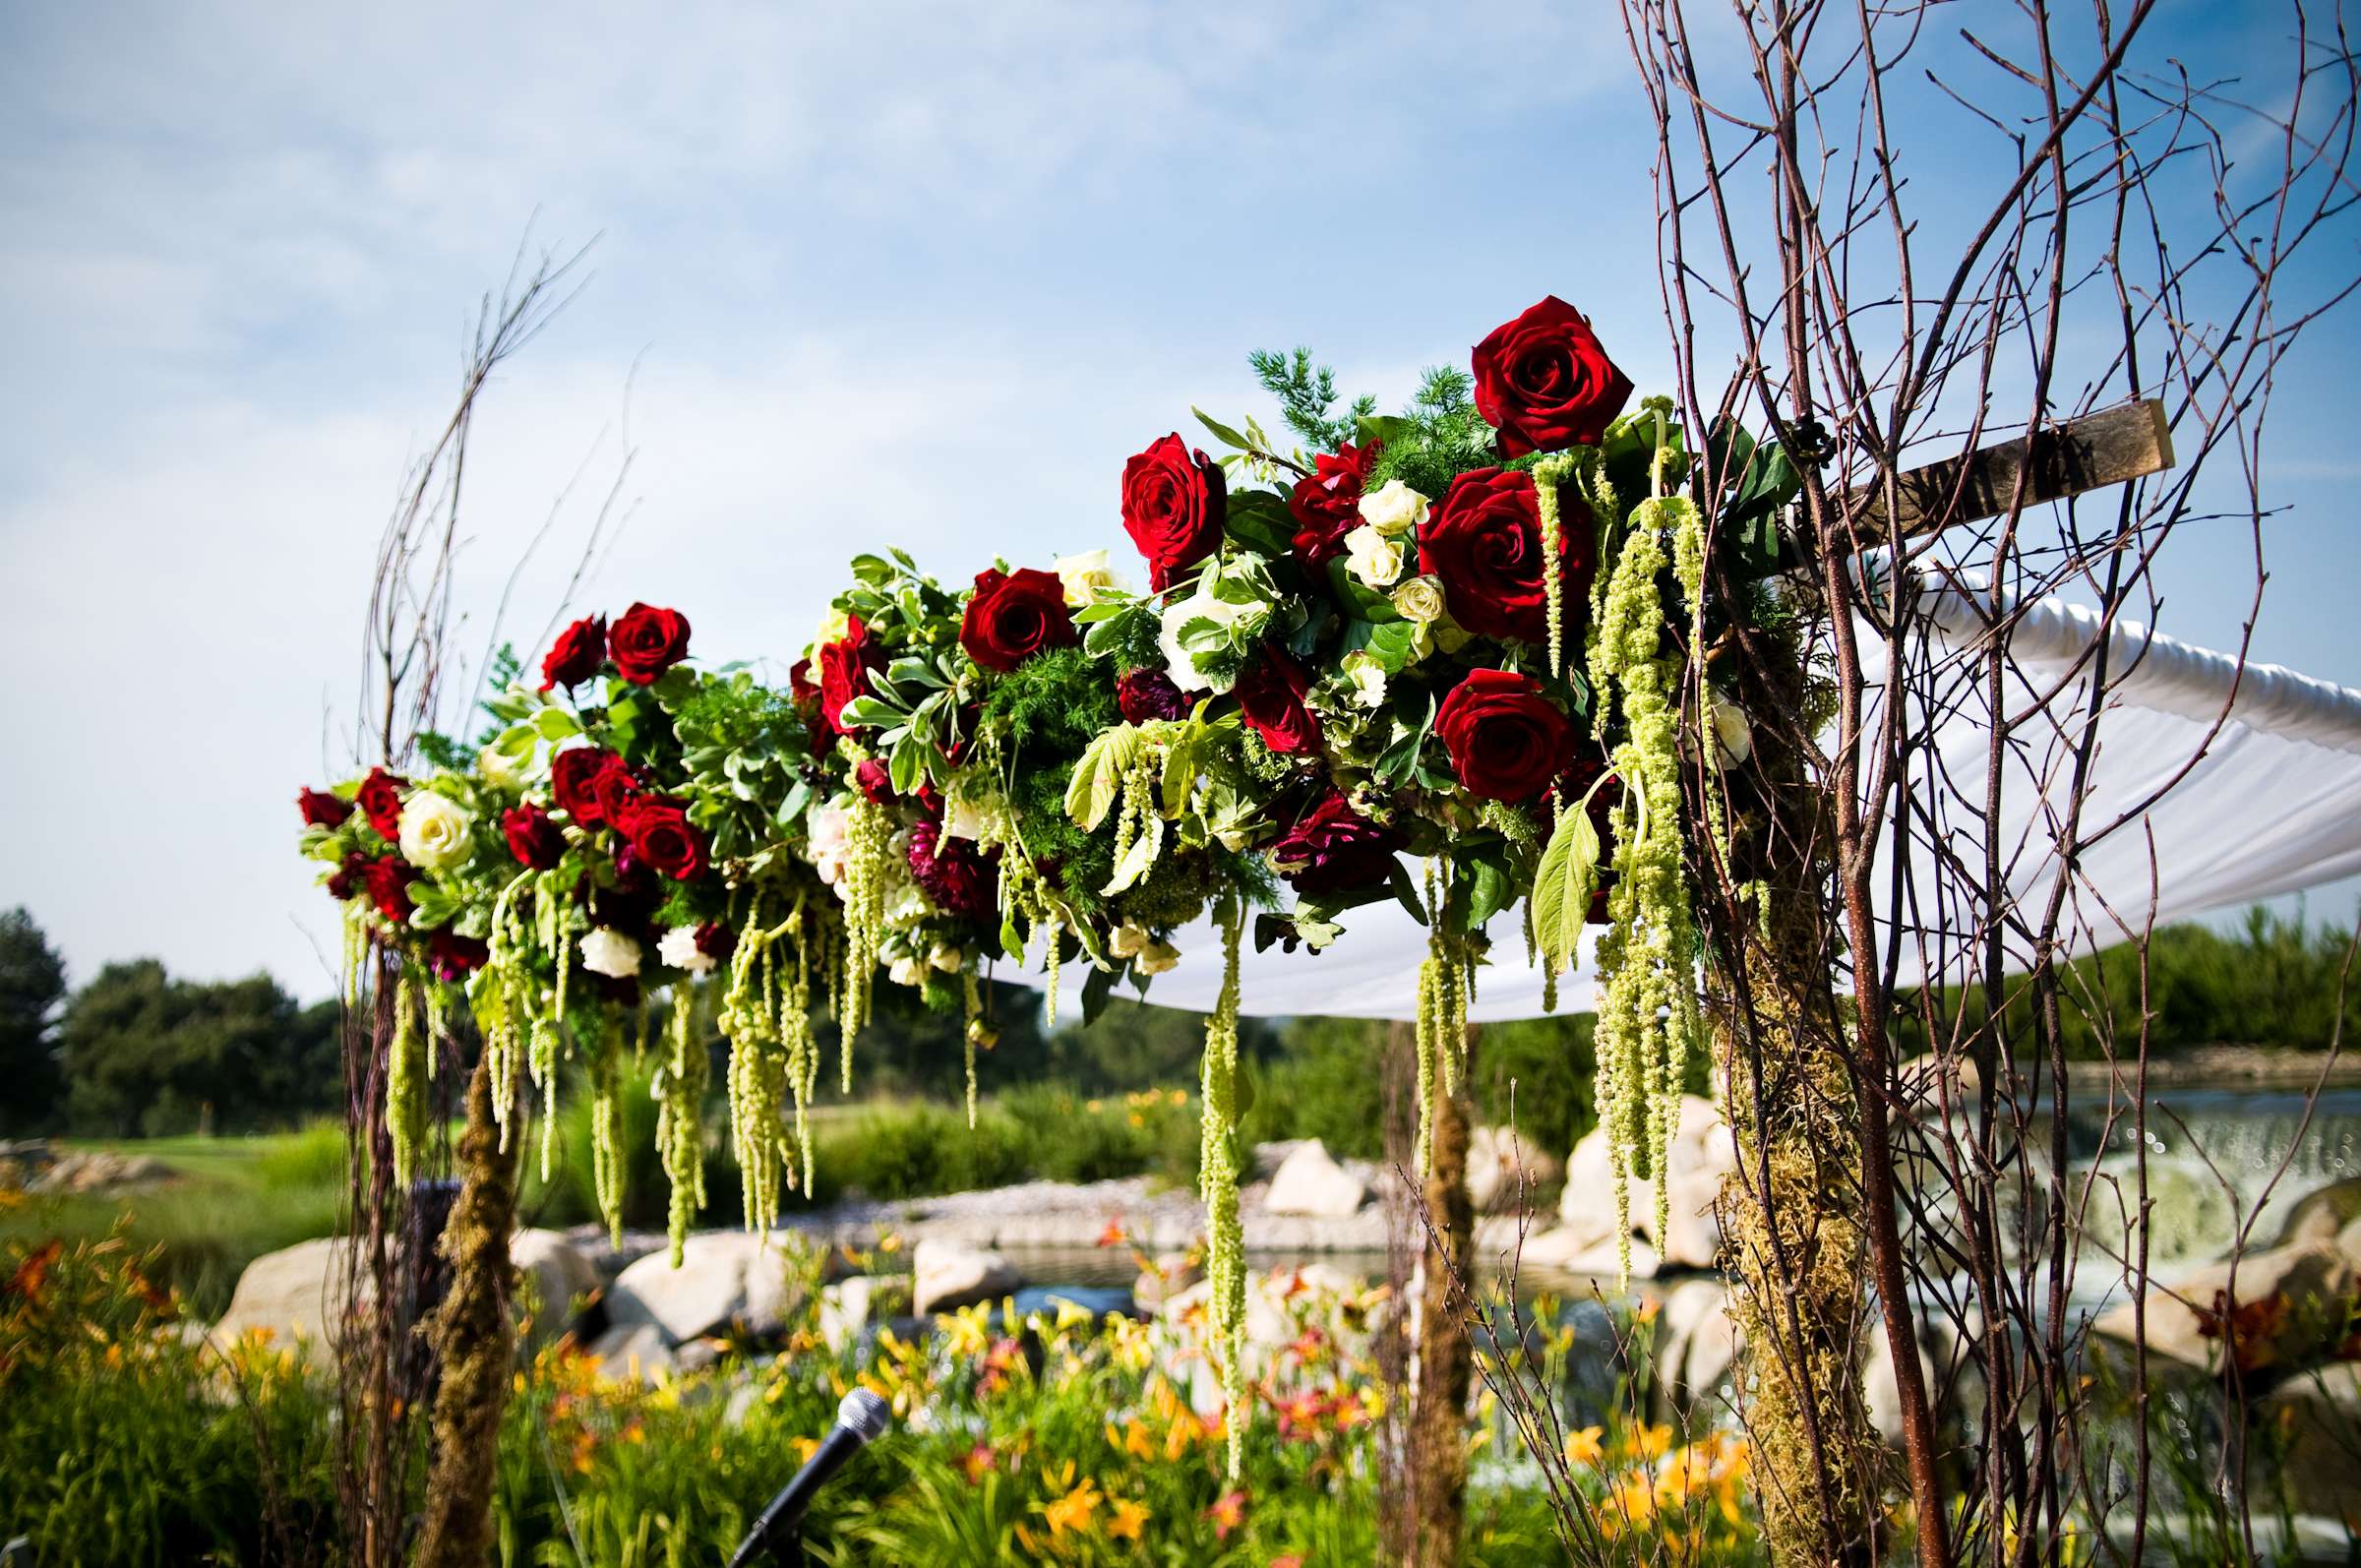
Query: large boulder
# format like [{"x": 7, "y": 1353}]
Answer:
[
  {"x": 1696, "y": 1341},
  {"x": 555, "y": 1273},
  {"x": 725, "y": 1278},
  {"x": 1701, "y": 1156},
  {"x": 289, "y": 1295},
  {"x": 1506, "y": 1170},
  {"x": 634, "y": 1352},
  {"x": 1309, "y": 1182},
  {"x": 99, "y": 1171},
  {"x": 2322, "y": 1215},
  {"x": 2290, "y": 1309},
  {"x": 949, "y": 1276},
  {"x": 850, "y": 1305},
  {"x": 1580, "y": 1249}
]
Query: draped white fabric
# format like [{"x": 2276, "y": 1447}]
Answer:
[{"x": 2270, "y": 805}]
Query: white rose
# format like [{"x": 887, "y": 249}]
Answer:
[
  {"x": 829, "y": 846},
  {"x": 1393, "y": 509},
  {"x": 1733, "y": 741},
  {"x": 679, "y": 950},
  {"x": 1087, "y": 576},
  {"x": 1421, "y": 599},
  {"x": 832, "y": 628},
  {"x": 1372, "y": 556},
  {"x": 950, "y": 960},
  {"x": 1126, "y": 940},
  {"x": 609, "y": 952},
  {"x": 910, "y": 971},
  {"x": 434, "y": 832},
  {"x": 964, "y": 818},
  {"x": 1368, "y": 677},
  {"x": 1156, "y": 958}
]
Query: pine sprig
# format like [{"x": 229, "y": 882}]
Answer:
[{"x": 1306, "y": 392}]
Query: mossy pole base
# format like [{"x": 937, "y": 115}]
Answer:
[
  {"x": 1438, "y": 1434},
  {"x": 472, "y": 1339}
]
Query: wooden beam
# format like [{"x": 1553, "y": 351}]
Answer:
[{"x": 2109, "y": 448}]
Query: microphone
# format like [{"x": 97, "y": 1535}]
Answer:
[{"x": 860, "y": 1420}]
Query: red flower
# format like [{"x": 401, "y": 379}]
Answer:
[
  {"x": 1326, "y": 502},
  {"x": 661, "y": 835},
  {"x": 951, "y": 872},
  {"x": 646, "y": 641},
  {"x": 388, "y": 879},
  {"x": 349, "y": 878},
  {"x": 1173, "y": 504},
  {"x": 453, "y": 956},
  {"x": 717, "y": 941},
  {"x": 616, "y": 786},
  {"x": 1334, "y": 849},
  {"x": 576, "y": 654},
  {"x": 321, "y": 809},
  {"x": 874, "y": 781},
  {"x": 1014, "y": 614},
  {"x": 534, "y": 839},
  {"x": 380, "y": 799},
  {"x": 1507, "y": 741},
  {"x": 1545, "y": 382},
  {"x": 1484, "y": 540},
  {"x": 844, "y": 668},
  {"x": 574, "y": 780},
  {"x": 1270, "y": 695},
  {"x": 1145, "y": 695}
]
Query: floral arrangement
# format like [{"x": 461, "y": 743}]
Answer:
[{"x": 1455, "y": 635}]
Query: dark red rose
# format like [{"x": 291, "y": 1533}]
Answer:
[
  {"x": 1334, "y": 849},
  {"x": 646, "y": 641},
  {"x": 453, "y": 956},
  {"x": 959, "y": 880},
  {"x": 1507, "y": 740},
  {"x": 662, "y": 835},
  {"x": 626, "y": 902},
  {"x": 1146, "y": 695},
  {"x": 1545, "y": 381},
  {"x": 1173, "y": 504},
  {"x": 349, "y": 878},
  {"x": 844, "y": 668},
  {"x": 1270, "y": 695},
  {"x": 1326, "y": 502},
  {"x": 874, "y": 780},
  {"x": 574, "y": 777},
  {"x": 1013, "y": 615},
  {"x": 379, "y": 801},
  {"x": 616, "y": 786},
  {"x": 1484, "y": 541},
  {"x": 534, "y": 839},
  {"x": 717, "y": 941},
  {"x": 577, "y": 655},
  {"x": 321, "y": 809},
  {"x": 387, "y": 880},
  {"x": 801, "y": 689}
]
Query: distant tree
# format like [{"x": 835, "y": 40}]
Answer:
[
  {"x": 148, "y": 1054},
  {"x": 33, "y": 982}
]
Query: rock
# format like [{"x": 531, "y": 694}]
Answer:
[
  {"x": 1309, "y": 1183},
  {"x": 556, "y": 1272},
  {"x": 1696, "y": 1341},
  {"x": 725, "y": 1276},
  {"x": 1168, "y": 1273},
  {"x": 1269, "y": 1157},
  {"x": 97, "y": 1171},
  {"x": 950, "y": 1276},
  {"x": 2292, "y": 1302},
  {"x": 634, "y": 1352},
  {"x": 2320, "y": 1417},
  {"x": 2322, "y": 1215},
  {"x": 698, "y": 1354},
  {"x": 291, "y": 1293},
  {"x": 850, "y": 1305},
  {"x": 1701, "y": 1156},
  {"x": 1577, "y": 1252},
  {"x": 1505, "y": 1168}
]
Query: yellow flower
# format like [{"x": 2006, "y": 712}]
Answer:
[
  {"x": 1128, "y": 1518},
  {"x": 1072, "y": 1511},
  {"x": 1648, "y": 1442},
  {"x": 1584, "y": 1447}
]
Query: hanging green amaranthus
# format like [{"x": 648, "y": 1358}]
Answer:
[
  {"x": 1217, "y": 1185},
  {"x": 405, "y": 1081},
  {"x": 869, "y": 842},
  {"x": 679, "y": 1098}
]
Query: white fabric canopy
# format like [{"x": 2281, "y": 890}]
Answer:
[{"x": 2273, "y": 805}]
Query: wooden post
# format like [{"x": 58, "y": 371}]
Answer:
[{"x": 1438, "y": 1444}]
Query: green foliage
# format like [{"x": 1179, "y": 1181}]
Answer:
[
  {"x": 1054, "y": 705},
  {"x": 33, "y": 982},
  {"x": 143, "y": 1053},
  {"x": 1306, "y": 392}
]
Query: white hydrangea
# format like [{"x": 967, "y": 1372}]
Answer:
[
  {"x": 1393, "y": 509},
  {"x": 1374, "y": 558},
  {"x": 907, "y": 970},
  {"x": 1088, "y": 577},
  {"x": 1126, "y": 940},
  {"x": 1368, "y": 677},
  {"x": 948, "y": 958},
  {"x": 830, "y": 843},
  {"x": 434, "y": 832},
  {"x": 1226, "y": 613},
  {"x": 1156, "y": 958},
  {"x": 609, "y": 952},
  {"x": 678, "y": 949}
]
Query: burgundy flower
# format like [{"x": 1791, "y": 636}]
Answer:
[
  {"x": 320, "y": 808},
  {"x": 874, "y": 780},
  {"x": 949, "y": 870},
  {"x": 844, "y": 669},
  {"x": 349, "y": 878},
  {"x": 1484, "y": 541},
  {"x": 1334, "y": 849},
  {"x": 717, "y": 941},
  {"x": 533, "y": 836},
  {"x": 1013, "y": 615},
  {"x": 1146, "y": 694},
  {"x": 1174, "y": 502},
  {"x": 662, "y": 835},
  {"x": 380, "y": 799},
  {"x": 388, "y": 879},
  {"x": 646, "y": 641},
  {"x": 1507, "y": 739},
  {"x": 1545, "y": 382},
  {"x": 626, "y": 903},
  {"x": 1270, "y": 695},
  {"x": 453, "y": 956},
  {"x": 1326, "y": 502},
  {"x": 574, "y": 777},
  {"x": 577, "y": 655}
]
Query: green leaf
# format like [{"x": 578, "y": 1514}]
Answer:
[
  {"x": 554, "y": 724},
  {"x": 1012, "y": 941},
  {"x": 1139, "y": 859},
  {"x": 1221, "y": 430},
  {"x": 918, "y": 672},
  {"x": 1406, "y": 890},
  {"x": 1099, "y": 776},
  {"x": 1097, "y": 986},
  {"x": 1387, "y": 428},
  {"x": 1562, "y": 885},
  {"x": 1366, "y": 602},
  {"x": 906, "y": 763},
  {"x": 1260, "y": 520},
  {"x": 867, "y": 710},
  {"x": 1488, "y": 886}
]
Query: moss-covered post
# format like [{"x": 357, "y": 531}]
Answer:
[
  {"x": 1439, "y": 1416},
  {"x": 473, "y": 1342}
]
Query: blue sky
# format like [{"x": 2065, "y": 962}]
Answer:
[{"x": 918, "y": 273}]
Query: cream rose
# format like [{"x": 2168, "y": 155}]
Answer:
[
  {"x": 1421, "y": 599},
  {"x": 1393, "y": 509},
  {"x": 1126, "y": 940},
  {"x": 434, "y": 832},
  {"x": 1372, "y": 556},
  {"x": 609, "y": 952},
  {"x": 500, "y": 770},
  {"x": 678, "y": 949},
  {"x": 1156, "y": 958},
  {"x": 1087, "y": 576}
]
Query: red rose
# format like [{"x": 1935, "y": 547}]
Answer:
[
  {"x": 1326, "y": 502},
  {"x": 1173, "y": 504},
  {"x": 380, "y": 799},
  {"x": 1334, "y": 849},
  {"x": 616, "y": 786},
  {"x": 388, "y": 879},
  {"x": 662, "y": 836},
  {"x": 1014, "y": 614},
  {"x": 844, "y": 667},
  {"x": 1484, "y": 540},
  {"x": 646, "y": 641},
  {"x": 573, "y": 779},
  {"x": 1270, "y": 695},
  {"x": 453, "y": 956},
  {"x": 534, "y": 839},
  {"x": 321, "y": 809},
  {"x": 1145, "y": 695},
  {"x": 717, "y": 941},
  {"x": 576, "y": 654},
  {"x": 1507, "y": 741},
  {"x": 1545, "y": 382}
]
